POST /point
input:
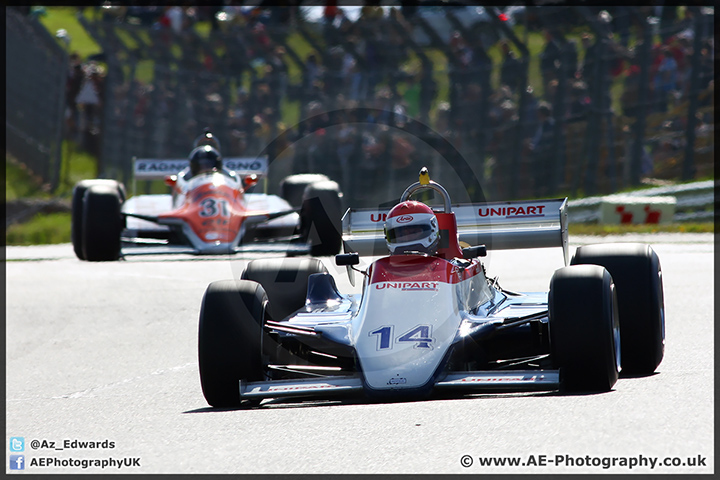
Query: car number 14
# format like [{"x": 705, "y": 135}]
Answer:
[{"x": 421, "y": 335}]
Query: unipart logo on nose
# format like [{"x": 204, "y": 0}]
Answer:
[
  {"x": 405, "y": 219},
  {"x": 408, "y": 286}
]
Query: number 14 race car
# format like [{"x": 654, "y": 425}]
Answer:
[
  {"x": 207, "y": 212},
  {"x": 428, "y": 318}
]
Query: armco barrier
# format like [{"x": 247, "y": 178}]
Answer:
[{"x": 693, "y": 201}]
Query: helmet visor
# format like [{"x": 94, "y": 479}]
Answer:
[{"x": 408, "y": 233}]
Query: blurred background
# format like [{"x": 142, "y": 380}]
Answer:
[{"x": 501, "y": 103}]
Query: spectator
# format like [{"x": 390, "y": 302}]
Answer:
[
  {"x": 548, "y": 58},
  {"x": 411, "y": 95},
  {"x": 579, "y": 102},
  {"x": 501, "y": 147},
  {"x": 89, "y": 104},
  {"x": 668, "y": 21},
  {"x": 511, "y": 69},
  {"x": 570, "y": 58},
  {"x": 428, "y": 92},
  {"x": 621, "y": 18},
  {"x": 587, "y": 71},
  {"x": 706, "y": 74},
  {"x": 175, "y": 18},
  {"x": 313, "y": 71},
  {"x": 530, "y": 113},
  {"x": 665, "y": 80},
  {"x": 541, "y": 148},
  {"x": 72, "y": 88}
]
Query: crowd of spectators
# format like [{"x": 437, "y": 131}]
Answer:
[{"x": 236, "y": 80}]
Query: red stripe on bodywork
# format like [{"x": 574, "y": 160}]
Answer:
[{"x": 417, "y": 268}]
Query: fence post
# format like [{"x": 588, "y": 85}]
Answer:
[
  {"x": 688, "y": 171},
  {"x": 556, "y": 165},
  {"x": 644, "y": 85},
  {"x": 517, "y": 145},
  {"x": 595, "y": 122}
]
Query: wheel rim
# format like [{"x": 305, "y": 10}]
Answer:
[
  {"x": 662, "y": 308},
  {"x": 616, "y": 331}
]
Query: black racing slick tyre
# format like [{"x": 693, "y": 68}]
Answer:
[
  {"x": 636, "y": 271},
  {"x": 230, "y": 339},
  {"x": 320, "y": 218},
  {"x": 76, "y": 225},
  {"x": 292, "y": 187},
  {"x": 584, "y": 328},
  {"x": 102, "y": 223},
  {"x": 285, "y": 281}
]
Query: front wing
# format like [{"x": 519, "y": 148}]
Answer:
[{"x": 353, "y": 385}]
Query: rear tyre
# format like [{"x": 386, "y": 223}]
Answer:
[
  {"x": 320, "y": 218},
  {"x": 76, "y": 226},
  {"x": 635, "y": 269},
  {"x": 102, "y": 223},
  {"x": 292, "y": 187},
  {"x": 230, "y": 339},
  {"x": 584, "y": 329},
  {"x": 285, "y": 281}
]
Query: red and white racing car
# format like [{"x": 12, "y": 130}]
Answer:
[
  {"x": 213, "y": 212},
  {"x": 428, "y": 317}
]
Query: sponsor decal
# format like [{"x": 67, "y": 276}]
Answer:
[
  {"x": 160, "y": 166},
  {"x": 378, "y": 217},
  {"x": 405, "y": 219},
  {"x": 525, "y": 378},
  {"x": 292, "y": 388},
  {"x": 408, "y": 286},
  {"x": 150, "y": 166},
  {"x": 527, "y": 211},
  {"x": 244, "y": 164}
]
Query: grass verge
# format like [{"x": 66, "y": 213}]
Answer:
[{"x": 42, "y": 229}]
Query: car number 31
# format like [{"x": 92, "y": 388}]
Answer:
[
  {"x": 421, "y": 335},
  {"x": 211, "y": 207}
]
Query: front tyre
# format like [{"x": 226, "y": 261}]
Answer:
[
  {"x": 635, "y": 269},
  {"x": 293, "y": 186},
  {"x": 230, "y": 339},
  {"x": 77, "y": 209},
  {"x": 285, "y": 281},
  {"x": 320, "y": 218},
  {"x": 102, "y": 223},
  {"x": 584, "y": 329}
]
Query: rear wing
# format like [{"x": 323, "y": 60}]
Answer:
[
  {"x": 157, "y": 169},
  {"x": 497, "y": 225}
]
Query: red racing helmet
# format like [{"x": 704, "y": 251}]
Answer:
[{"x": 412, "y": 227}]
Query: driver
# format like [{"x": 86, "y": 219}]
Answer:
[
  {"x": 204, "y": 159},
  {"x": 412, "y": 227}
]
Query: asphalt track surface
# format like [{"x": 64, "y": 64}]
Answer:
[{"x": 108, "y": 351}]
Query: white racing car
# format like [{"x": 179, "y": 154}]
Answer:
[
  {"x": 209, "y": 212},
  {"x": 428, "y": 317}
]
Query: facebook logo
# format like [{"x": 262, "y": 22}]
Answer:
[
  {"x": 17, "y": 444},
  {"x": 17, "y": 462}
]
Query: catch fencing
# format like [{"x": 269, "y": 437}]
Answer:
[
  {"x": 35, "y": 75},
  {"x": 388, "y": 95}
]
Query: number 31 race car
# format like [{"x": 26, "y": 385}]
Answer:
[
  {"x": 207, "y": 213},
  {"x": 430, "y": 322}
]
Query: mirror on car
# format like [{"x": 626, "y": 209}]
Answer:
[
  {"x": 347, "y": 259},
  {"x": 473, "y": 252}
]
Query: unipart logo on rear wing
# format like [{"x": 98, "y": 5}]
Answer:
[
  {"x": 497, "y": 225},
  {"x": 527, "y": 211},
  {"x": 153, "y": 168}
]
